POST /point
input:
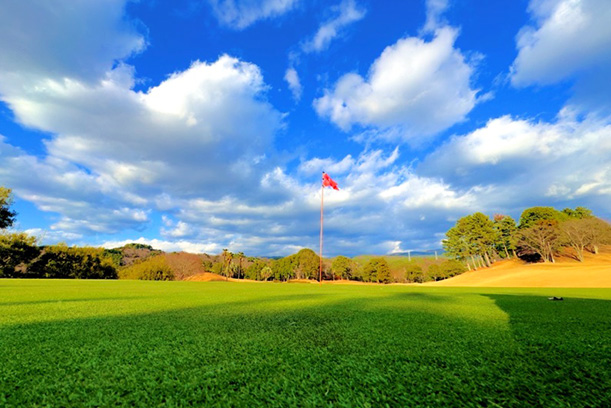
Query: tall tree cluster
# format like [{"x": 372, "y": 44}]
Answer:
[
  {"x": 473, "y": 240},
  {"x": 542, "y": 233}
]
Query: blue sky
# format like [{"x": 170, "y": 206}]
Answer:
[{"x": 200, "y": 125}]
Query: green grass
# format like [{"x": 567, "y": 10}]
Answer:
[{"x": 134, "y": 343}]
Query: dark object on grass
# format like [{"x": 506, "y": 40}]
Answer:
[{"x": 556, "y": 298}]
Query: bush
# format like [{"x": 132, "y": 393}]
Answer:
[
  {"x": 155, "y": 268},
  {"x": 446, "y": 269}
]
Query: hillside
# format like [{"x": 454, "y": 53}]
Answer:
[{"x": 595, "y": 272}]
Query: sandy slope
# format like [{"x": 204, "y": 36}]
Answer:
[
  {"x": 595, "y": 272},
  {"x": 205, "y": 277}
]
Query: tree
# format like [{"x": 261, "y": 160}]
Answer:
[
  {"x": 601, "y": 233},
  {"x": 482, "y": 235},
  {"x": 457, "y": 244},
  {"x": 254, "y": 270},
  {"x": 533, "y": 214},
  {"x": 578, "y": 213},
  {"x": 16, "y": 250},
  {"x": 472, "y": 237},
  {"x": 542, "y": 238},
  {"x": 7, "y": 217},
  {"x": 240, "y": 268},
  {"x": 307, "y": 264},
  {"x": 226, "y": 262},
  {"x": 376, "y": 270},
  {"x": 506, "y": 230},
  {"x": 342, "y": 267},
  {"x": 435, "y": 273},
  {"x": 284, "y": 268},
  {"x": 61, "y": 261},
  {"x": 446, "y": 269},
  {"x": 266, "y": 273},
  {"x": 413, "y": 272},
  {"x": 578, "y": 234}
]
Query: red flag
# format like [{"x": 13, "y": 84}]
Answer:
[{"x": 328, "y": 181}]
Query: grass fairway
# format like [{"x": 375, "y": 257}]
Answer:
[{"x": 135, "y": 343}]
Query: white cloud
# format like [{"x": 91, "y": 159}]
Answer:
[
  {"x": 181, "y": 229},
  {"x": 50, "y": 237},
  {"x": 168, "y": 246},
  {"x": 159, "y": 139},
  {"x": 347, "y": 12},
  {"x": 34, "y": 34},
  {"x": 523, "y": 161},
  {"x": 292, "y": 78},
  {"x": 419, "y": 87},
  {"x": 329, "y": 165},
  {"x": 434, "y": 11},
  {"x": 112, "y": 153},
  {"x": 566, "y": 38},
  {"x": 239, "y": 14}
]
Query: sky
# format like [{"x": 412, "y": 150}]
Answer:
[{"x": 199, "y": 125}]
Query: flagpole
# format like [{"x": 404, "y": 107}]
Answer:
[{"x": 322, "y": 195}]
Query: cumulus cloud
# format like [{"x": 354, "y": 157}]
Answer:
[
  {"x": 416, "y": 87},
  {"x": 567, "y": 40},
  {"x": 525, "y": 161},
  {"x": 347, "y": 12},
  {"x": 239, "y": 14},
  {"x": 380, "y": 203},
  {"x": 112, "y": 151},
  {"x": 566, "y": 37},
  {"x": 168, "y": 246},
  {"x": 181, "y": 137},
  {"x": 33, "y": 37},
  {"x": 161, "y": 137}
]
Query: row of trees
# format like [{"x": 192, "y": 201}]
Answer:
[
  {"x": 20, "y": 256},
  {"x": 305, "y": 264},
  {"x": 542, "y": 233}
]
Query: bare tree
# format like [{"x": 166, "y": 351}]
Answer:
[
  {"x": 601, "y": 233},
  {"x": 543, "y": 238},
  {"x": 578, "y": 234}
]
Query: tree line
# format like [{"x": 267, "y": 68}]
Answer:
[
  {"x": 305, "y": 264},
  {"x": 21, "y": 257},
  {"x": 542, "y": 234}
]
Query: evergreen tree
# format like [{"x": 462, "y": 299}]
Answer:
[
  {"x": 342, "y": 267},
  {"x": 7, "y": 217},
  {"x": 506, "y": 235}
]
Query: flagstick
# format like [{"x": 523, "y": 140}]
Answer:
[{"x": 322, "y": 194}]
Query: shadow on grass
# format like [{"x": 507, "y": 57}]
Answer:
[
  {"x": 564, "y": 349},
  {"x": 312, "y": 349}
]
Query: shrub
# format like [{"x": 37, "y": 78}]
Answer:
[{"x": 155, "y": 268}]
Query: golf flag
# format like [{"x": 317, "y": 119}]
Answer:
[{"x": 328, "y": 181}]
